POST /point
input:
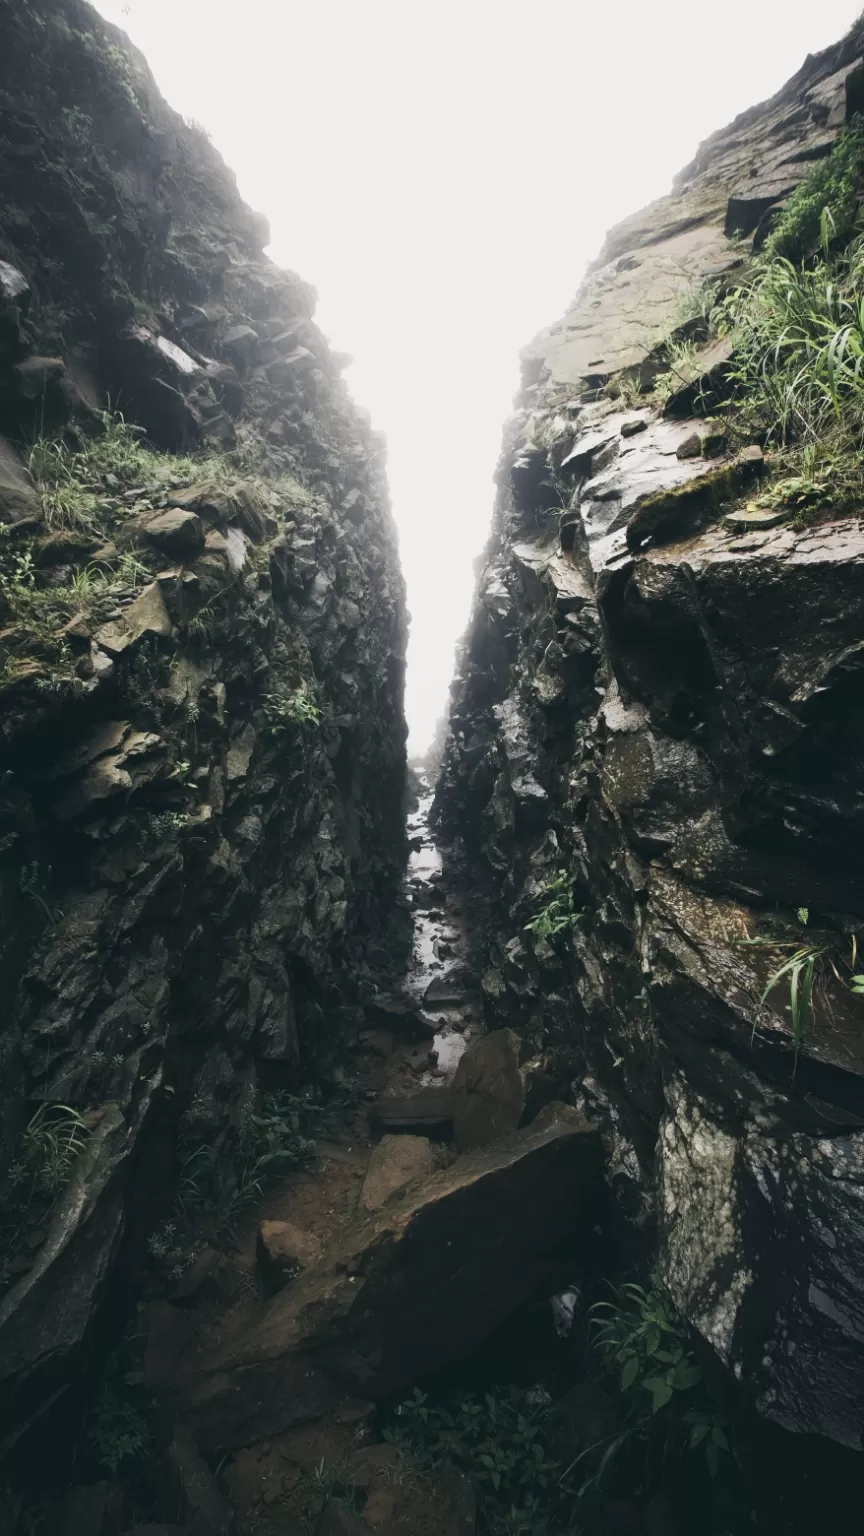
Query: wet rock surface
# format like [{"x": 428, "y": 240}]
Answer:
[
  {"x": 657, "y": 702},
  {"x": 202, "y": 766}
]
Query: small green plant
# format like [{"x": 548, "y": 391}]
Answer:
[
  {"x": 557, "y": 914},
  {"x": 285, "y": 711},
  {"x": 640, "y": 1338},
  {"x": 804, "y": 970},
  {"x": 680, "y": 368},
  {"x": 218, "y": 1184},
  {"x": 116, "y": 1429},
  {"x": 52, "y": 1142},
  {"x": 495, "y": 1438},
  {"x": 799, "y": 972}
]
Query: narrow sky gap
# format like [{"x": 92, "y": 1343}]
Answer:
[{"x": 442, "y": 175}]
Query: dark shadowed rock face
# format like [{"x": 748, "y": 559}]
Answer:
[
  {"x": 667, "y": 704},
  {"x": 201, "y": 775}
]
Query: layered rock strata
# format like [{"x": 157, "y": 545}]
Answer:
[
  {"x": 656, "y": 740},
  {"x": 202, "y": 634}
]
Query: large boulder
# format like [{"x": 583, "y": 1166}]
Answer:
[
  {"x": 406, "y": 1289},
  {"x": 488, "y": 1090},
  {"x": 283, "y": 1251}
]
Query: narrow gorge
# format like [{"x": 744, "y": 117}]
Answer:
[{"x": 468, "y": 1148}]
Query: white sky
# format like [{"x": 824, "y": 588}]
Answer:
[{"x": 442, "y": 173}]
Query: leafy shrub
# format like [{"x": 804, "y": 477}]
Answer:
[
  {"x": 117, "y": 1429},
  {"x": 285, "y": 711},
  {"x": 495, "y": 1438},
  {"x": 557, "y": 914},
  {"x": 639, "y": 1337}
]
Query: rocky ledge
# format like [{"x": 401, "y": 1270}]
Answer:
[
  {"x": 654, "y": 775},
  {"x": 201, "y": 661}
]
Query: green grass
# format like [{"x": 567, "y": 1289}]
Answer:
[
  {"x": 48, "y": 1151},
  {"x": 835, "y": 184},
  {"x": 274, "y": 1134}
]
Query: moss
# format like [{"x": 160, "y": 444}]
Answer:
[{"x": 685, "y": 507}]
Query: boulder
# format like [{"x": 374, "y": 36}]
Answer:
[
  {"x": 406, "y": 1289},
  {"x": 396, "y": 1162},
  {"x": 241, "y": 346},
  {"x": 488, "y": 1090},
  {"x": 286, "y": 370},
  {"x": 283, "y": 1251},
  {"x": 179, "y": 534},
  {"x": 146, "y": 616},
  {"x": 427, "y": 1113},
  {"x": 400, "y": 1013},
  {"x": 450, "y": 987}
]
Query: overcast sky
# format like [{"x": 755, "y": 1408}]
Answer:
[{"x": 442, "y": 174}]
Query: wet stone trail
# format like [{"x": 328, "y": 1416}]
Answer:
[{"x": 424, "y": 1221}]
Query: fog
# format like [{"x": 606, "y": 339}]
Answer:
[{"x": 442, "y": 174}]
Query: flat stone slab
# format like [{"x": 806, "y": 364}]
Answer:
[
  {"x": 488, "y": 1090},
  {"x": 427, "y": 1113},
  {"x": 750, "y": 518},
  {"x": 406, "y": 1289}
]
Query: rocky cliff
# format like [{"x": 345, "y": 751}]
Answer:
[
  {"x": 654, "y": 767},
  {"x": 201, "y": 662}
]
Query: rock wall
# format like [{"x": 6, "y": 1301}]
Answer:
[
  {"x": 663, "y": 713},
  {"x": 202, "y": 637}
]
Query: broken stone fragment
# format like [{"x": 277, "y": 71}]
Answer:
[
  {"x": 286, "y": 370},
  {"x": 757, "y": 517},
  {"x": 14, "y": 287},
  {"x": 395, "y": 1163},
  {"x": 632, "y": 428},
  {"x": 283, "y": 1251},
  {"x": 35, "y": 375},
  {"x": 691, "y": 448},
  {"x": 488, "y": 1090},
  {"x": 401, "y": 1014},
  {"x": 450, "y": 987},
  {"x": 683, "y": 509},
  {"x": 427, "y": 1113},
  {"x": 241, "y": 345},
  {"x": 146, "y": 616},
  {"x": 178, "y": 534}
]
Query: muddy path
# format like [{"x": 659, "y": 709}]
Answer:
[{"x": 317, "y": 1477}]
